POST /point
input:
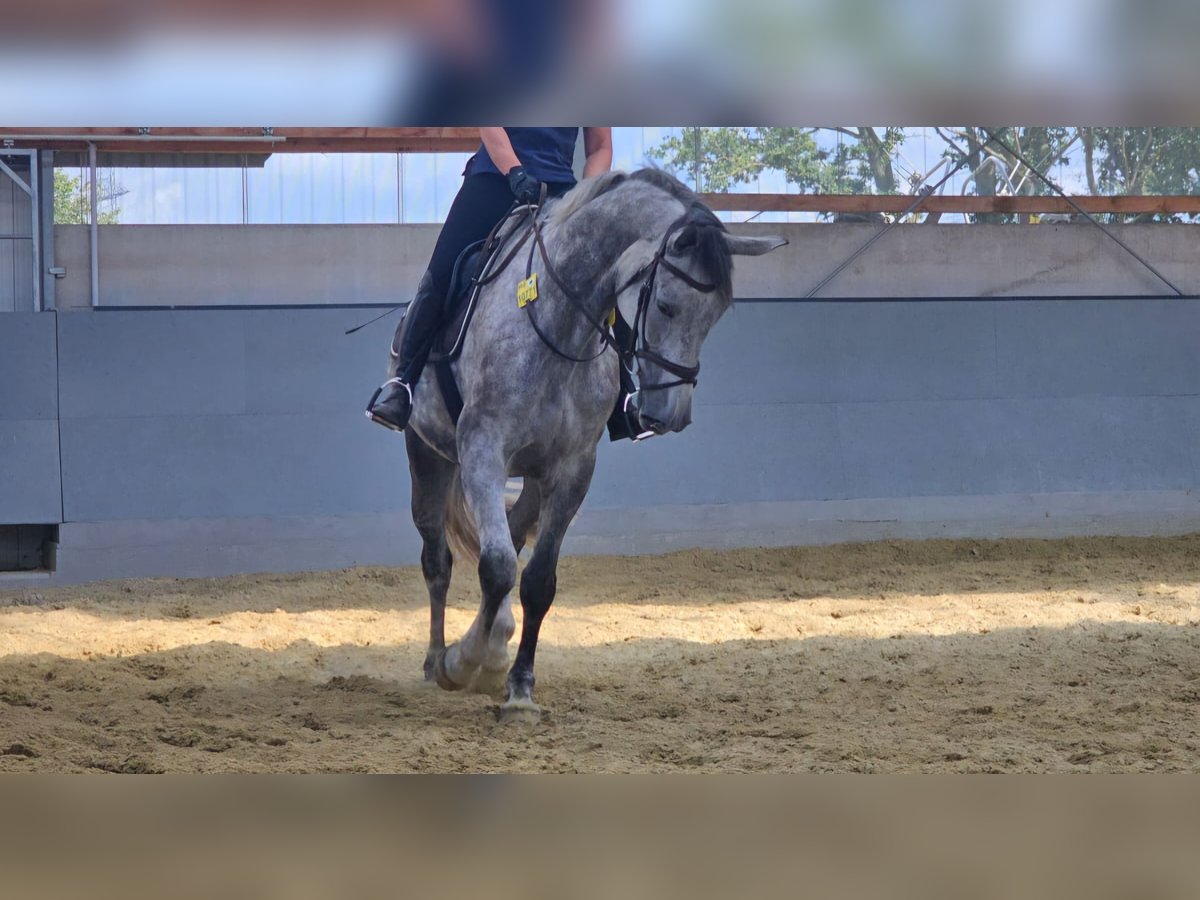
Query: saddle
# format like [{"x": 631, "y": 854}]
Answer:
[
  {"x": 458, "y": 306},
  {"x": 459, "y": 302},
  {"x": 476, "y": 265}
]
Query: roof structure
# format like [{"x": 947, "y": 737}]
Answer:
[{"x": 244, "y": 140}]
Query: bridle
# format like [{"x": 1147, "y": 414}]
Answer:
[{"x": 637, "y": 347}]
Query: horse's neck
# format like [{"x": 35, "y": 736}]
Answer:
[{"x": 587, "y": 246}]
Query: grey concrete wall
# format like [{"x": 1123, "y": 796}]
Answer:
[
  {"x": 30, "y": 486},
  {"x": 972, "y": 261},
  {"x": 207, "y": 441},
  {"x": 818, "y": 422},
  {"x": 221, "y": 265},
  {"x": 199, "y": 265},
  {"x": 197, "y": 442},
  {"x": 204, "y": 441}
]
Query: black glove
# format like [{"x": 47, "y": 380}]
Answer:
[{"x": 524, "y": 186}]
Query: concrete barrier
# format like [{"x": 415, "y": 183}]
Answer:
[
  {"x": 199, "y": 442},
  {"x": 220, "y": 265}
]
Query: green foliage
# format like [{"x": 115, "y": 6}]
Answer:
[
  {"x": 1114, "y": 161},
  {"x": 1145, "y": 160},
  {"x": 859, "y": 162},
  {"x": 862, "y": 160},
  {"x": 71, "y": 203}
]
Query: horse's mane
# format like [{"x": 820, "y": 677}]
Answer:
[
  {"x": 583, "y": 193},
  {"x": 711, "y": 248}
]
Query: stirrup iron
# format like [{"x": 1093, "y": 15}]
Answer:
[
  {"x": 370, "y": 411},
  {"x": 634, "y": 420}
]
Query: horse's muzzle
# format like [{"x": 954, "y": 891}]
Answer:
[
  {"x": 662, "y": 418},
  {"x": 649, "y": 423}
]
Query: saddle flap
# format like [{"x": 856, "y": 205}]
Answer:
[
  {"x": 455, "y": 304},
  {"x": 466, "y": 267}
]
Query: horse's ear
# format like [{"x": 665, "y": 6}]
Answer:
[
  {"x": 743, "y": 245},
  {"x": 686, "y": 238}
]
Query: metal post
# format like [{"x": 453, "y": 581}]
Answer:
[
  {"x": 46, "y": 212},
  {"x": 94, "y": 231},
  {"x": 35, "y": 204}
]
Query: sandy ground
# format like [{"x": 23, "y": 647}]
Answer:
[{"x": 945, "y": 656}]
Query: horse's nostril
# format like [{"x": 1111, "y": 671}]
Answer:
[{"x": 654, "y": 425}]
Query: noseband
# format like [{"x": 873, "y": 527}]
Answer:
[{"x": 638, "y": 347}]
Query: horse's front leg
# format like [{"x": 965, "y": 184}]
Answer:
[
  {"x": 432, "y": 477},
  {"x": 561, "y": 497},
  {"x": 480, "y": 660}
]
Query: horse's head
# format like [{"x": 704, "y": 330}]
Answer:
[{"x": 673, "y": 300}]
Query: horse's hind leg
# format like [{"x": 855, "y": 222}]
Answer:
[
  {"x": 524, "y": 514},
  {"x": 561, "y": 496},
  {"x": 480, "y": 659},
  {"x": 432, "y": 477}
]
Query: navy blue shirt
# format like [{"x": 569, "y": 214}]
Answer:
[{"x": 548, "y": 154}]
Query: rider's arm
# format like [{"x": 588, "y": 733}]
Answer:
[
  {"x": 499, "y": 148},
  {"x": 597, "y": 147}
]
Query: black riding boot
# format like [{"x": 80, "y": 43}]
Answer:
[
  {"x": 623, "y": 423},
  {"x": 391, "y": 405}
]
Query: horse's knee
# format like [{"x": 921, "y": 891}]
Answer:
[{"x": 497, "y": 571}]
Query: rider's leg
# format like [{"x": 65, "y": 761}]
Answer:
[
  {"x": 410, "y": 348},
  {"x": 479, "y": 205},
  {"x": 623, "y": 422}
]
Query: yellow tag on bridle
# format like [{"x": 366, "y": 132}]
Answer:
[
  {"x": 527, "y": 291},
  {"x": 612, "y": 317}
]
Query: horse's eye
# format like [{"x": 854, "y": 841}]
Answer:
[{"x": 666, "y": 310}]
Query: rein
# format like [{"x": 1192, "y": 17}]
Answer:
[{"x": 637, "y": 348}]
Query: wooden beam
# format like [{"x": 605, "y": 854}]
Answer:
[
  {"x": 873, "y": 203},
  {"x": 244, "y": 132},
  {"x": 252, "y": 147},
  {"x": 247, "y": 140}
]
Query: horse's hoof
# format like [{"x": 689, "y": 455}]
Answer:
[
  {"x": 519, "y": 712},
  {"x": 440, "y": 676},
  {"x": 492, "y": 682},
  {"x": 428, "y": 682}
]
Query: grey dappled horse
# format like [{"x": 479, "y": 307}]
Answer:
[{"x": 536, "y": 396}]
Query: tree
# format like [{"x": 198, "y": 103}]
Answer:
[
  {"x": 991, "y": 167},
  {"x": 1114, "y": 160},
  {"x": 723, "y": 157},
  {"x": 864, "y": 160},
  {"x": 1142, "y": 161},
  {"x": 72, "y": 204}
]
